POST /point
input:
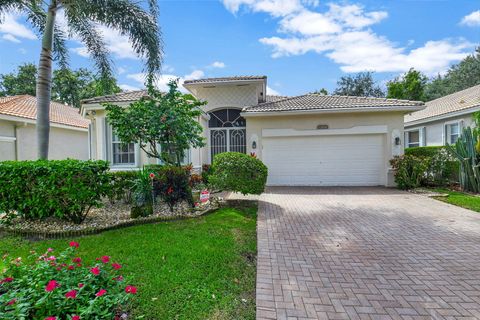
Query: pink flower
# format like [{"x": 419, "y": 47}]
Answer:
[
  {"x": 49, "y": 250},
  {"x": 51, "y": 258},
  {"x": 52, "y": 285},
  {"x": 131, "y": 289},
  {"x": 71, "y": 267},
  {"x": 80, "y": 285},
  {"x": 74, "y": 244},
  {"x": 9, "y": 303},
  {"x": 77, "y": 260},
  {"x": 116, "y": 266},
  {"x": 95, "y": 271},
  {"x": 119, "y": 278},
  {"x": 75, "y": 317},
  {"x": 51, "y": 318},
  {"x": 72, "y": 294},
  {"x": 152, "y": 175},
  {"x": 105, "y": 259},
  {"x": 5, "y": 280},
  {"x": 101, "y": 292}
]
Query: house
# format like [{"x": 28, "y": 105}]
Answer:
[
  {"x": 304, "y": 140},
  {"x": 68, "y": 130},
  {"x": 442, "y": 120}
]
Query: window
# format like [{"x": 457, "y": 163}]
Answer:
[
  {"x": 122, "y": 153},
  {"x": 453, "y": 132},
  {"x": 414, "y": 138}
]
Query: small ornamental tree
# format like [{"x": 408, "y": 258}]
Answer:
[
  {"x": 164, "y": 125},
  {"x": 238, "y": 172}
]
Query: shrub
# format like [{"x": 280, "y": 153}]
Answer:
[
  {"x": 206, "y": 173},
  {"x": 62, "y": 287},
  {"x": 143, "y": 194},
  {"x": 66, "y": 189},
  {"x": 121, "y": 186},
  {"x": 239, "y": 172},
  {"x": 195, "y": 180},
  {"x": 429, "y": 151},
  {"x": 172, "y": 185},
  {"x": 409, "y": 171}
]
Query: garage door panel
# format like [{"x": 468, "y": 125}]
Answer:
[{"x": 325, "y": 160}]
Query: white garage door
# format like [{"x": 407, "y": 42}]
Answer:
[{"x": 343, "y": 160}]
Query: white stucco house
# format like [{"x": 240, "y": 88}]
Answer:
[
  {"x": 304, "y": 140},
  {"x": 442, "y": 120},
  {"x": 18, "y": 138}
]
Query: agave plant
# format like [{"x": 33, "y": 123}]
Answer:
[{"x": 465, "y": 150}]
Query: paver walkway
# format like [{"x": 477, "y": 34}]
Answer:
[{"x": 365, "y": 253}]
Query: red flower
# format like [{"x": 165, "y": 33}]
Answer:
[
  {"x": 52, "y": 285},
  {"x": 51, "y": 258},
  {"x": 95, "y": 271},
  {"x": 119, "y": 278},
  {"x": 116, "y": 266},
  {"x": 74, "y": 244},
  {"x": 80, "y": 285},
  {"x": 101, "y": 292},
  {"x": 51, "y": 318},
  {"x": 71, "y": 267},
  {"x": 9, "y": 303},
  {"x": 105, "y": 259},
  {"x": 131, "y": 289},
  {"x": 152, "y": 175},
  {"x": 76, "y": 318},
  {"x": 5, "y": 280},
  {"x": 77, "y": 260},
  {"x": 169, "y": 190},
  {"x": 72, "y": 294}
]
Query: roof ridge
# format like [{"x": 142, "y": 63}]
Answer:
[{"x": 112, "y": 95}]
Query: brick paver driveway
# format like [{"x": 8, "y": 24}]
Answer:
[{"x": 365, "y": 253}]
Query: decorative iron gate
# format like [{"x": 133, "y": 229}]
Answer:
[{"x": 227, "y": 139}]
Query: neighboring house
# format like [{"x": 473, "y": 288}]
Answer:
[
  {"x": 18, "y": 138},
  {"x": 442, "y": 120},
  {"x": 305, "y": 140}
]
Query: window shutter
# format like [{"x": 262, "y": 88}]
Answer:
[
  {"x": 423, "y": 136},
  {"x": 108, "y": 141}
]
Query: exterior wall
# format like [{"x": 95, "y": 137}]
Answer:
[
  {"x": 7, "y": 142},
  {"x": 393, "y": 121},
  {"x": 64, "y": 143},
  {"x": 434, "y": 131}
]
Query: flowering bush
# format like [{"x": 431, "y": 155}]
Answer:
[
  {"x": 172, "y": 185},
  {"x": 63, "y": 286}
]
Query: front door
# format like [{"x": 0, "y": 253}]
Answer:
[{"x": 227, "y": 132}]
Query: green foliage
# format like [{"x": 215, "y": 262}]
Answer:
[
  {"x": 322, "y": 92},
  {"x": 461, "y": 199},
  {"x": 460, "y": 76},
  {"x": 121, "y": 187},
  {"x": 46, "y": 285},
  {"x": 24, "y": 81},
  {"x": 65, "y": 189},
  {"x": 409, "y": 171},
  {"x": 429, "y": 151},
  {"x": 143, "y": 188},
  {"x": 177, "y": 266},
  {"x": 465, "y": 150},
  {"x": 239, "y": 172},
  {"x": 168, "y": 120},
  {"x": 172, "y": 184},
  {"x": 410, "y": 86},
  {"x": 360, "y": 85},
  {"x": 207, "y": 171}
]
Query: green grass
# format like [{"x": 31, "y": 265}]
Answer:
[
  {"x": 192, "y": 269},
  {"x": 461, "y": 199}
]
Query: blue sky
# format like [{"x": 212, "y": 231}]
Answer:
[{"x": 301, "y": 45}]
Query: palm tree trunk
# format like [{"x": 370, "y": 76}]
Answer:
[{"x": 44, "y": 83}]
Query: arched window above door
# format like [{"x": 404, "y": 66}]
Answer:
[{"x": 226, "y": 118}]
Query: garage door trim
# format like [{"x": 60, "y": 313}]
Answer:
[{"x": 271, "y": 133}]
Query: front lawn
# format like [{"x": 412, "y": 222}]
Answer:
[
  {"x": 460, "y": 199},
  {"x": 201, "y": 268}
]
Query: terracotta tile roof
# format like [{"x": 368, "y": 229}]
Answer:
[
  {"x": 118, "y": 97},
  {"x": 461, "y": 100},
  {"x": 25, "y": 106},
  {"x": 324, "y": 102},
  {"x": 225, "y": 79}
]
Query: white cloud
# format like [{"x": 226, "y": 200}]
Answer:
[
  {"x": 121, "y": 70},
  {"x": 471, "y": 20},
  {"x": 167, "y": 68},
  {"x": 127, "y": 87},
  {"x": 218, "y": 64},
  {"x": 196, "y": 74},
  {"x": 11, "y": 38},
  {"x": 343, "y": 34},
  {"x": 161, "y": 82},
  {"x": 12, "y": 29},
  {"x": 272, "y": 92}
]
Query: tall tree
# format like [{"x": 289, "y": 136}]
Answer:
[
  {"x": 410, "y": 86},
  {"x": 360, "y": 85},
  {"x": 460, "y": 76},
  {"x": 21, "y": 82},
  {"x": 82, "y": 17}
]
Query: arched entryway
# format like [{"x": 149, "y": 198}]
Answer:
[{"x": 227, "y": 132}]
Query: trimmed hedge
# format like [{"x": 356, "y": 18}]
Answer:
[
  {"x": 234, "y": 171},
  {"x": 424, "y": 151},
  {"x": 65, "y": 189}
]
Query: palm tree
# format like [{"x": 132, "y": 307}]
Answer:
[{"x": 83, "y": 18}]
